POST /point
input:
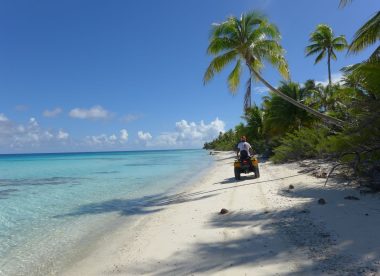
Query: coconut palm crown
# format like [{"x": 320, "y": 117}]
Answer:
[
  {"x": 324, "y": 43},
  {"x": 250, "y": 40}
]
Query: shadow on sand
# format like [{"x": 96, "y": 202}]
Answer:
[
  {"x": 263, "y": 243},
  {"x": 136, "y": 206},
  {"x": 154, "y": 203},
  {"x": 293, "y": 226}
]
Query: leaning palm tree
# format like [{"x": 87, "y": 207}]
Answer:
[
  {"x": 367, "y": 35},
  {"x": 250, "y": 40},
  {"x": 324, "y": 42}
]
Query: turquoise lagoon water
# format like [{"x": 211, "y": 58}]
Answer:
[{"x": 54, "y": 206}]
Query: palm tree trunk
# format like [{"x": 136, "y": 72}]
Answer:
[
  {"x": 328, "y": 66},
  {"x": 247, "y": 96},
  {"x": 322, "y": 116}
]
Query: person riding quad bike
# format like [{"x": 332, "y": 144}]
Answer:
[
  {"x": 244, "y": 150},
  {"x": 245, "y": 163}
]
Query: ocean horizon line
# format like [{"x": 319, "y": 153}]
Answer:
[{"x": 95, "y": 152}]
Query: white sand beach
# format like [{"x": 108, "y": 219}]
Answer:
[{"x": 269, "y": 230}]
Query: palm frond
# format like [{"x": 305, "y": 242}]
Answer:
[
  {"x": 220, "y": 44},
  {"x": 340, "y": 46},
  {"x": 323, "y": 31},
  {"x": 275, "y": 108},
  {"x": 234, "y": 77},
  {"x": 366, "y": 73},
  {"x": 251, "y": 20},
  {"x": 367, "y": 35},
  {"x": 341, "y": 39},
  {"x": 217, "y": 65},
  {"x": 265, "y": 47},
  {"x": 320, "y": 56},
  {"x": 375, "y": 56},
  {"x": 265, "y": 31},
  {"x": 283, "y": 68},
  {"x": 339, "y": 43},
  {"x": 312, "y": 47},
  {"x": 222, "y": 29},
  {"x": 272, "y": 52},
  {"x": 323, "y": 41},
  {"x": 312, "y": 52}
]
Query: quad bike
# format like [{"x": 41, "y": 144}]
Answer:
[{"x": 242, "y": 165}]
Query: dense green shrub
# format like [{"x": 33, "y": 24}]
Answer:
[{"x": 300, "y": 144}]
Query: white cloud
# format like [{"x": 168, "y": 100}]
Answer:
[
  {"x": 144, "y": 136},
  {"x": 107, "y": 141},
  {"x": 31, "y": 137},
  {"x": 62, "y": 135},
  {"x": 189, "y": 134},
  {"x": 27, "y": 137},
  {"x": 101, "y": 140},
  {"x": 335, "y": 78},
  {"x": 33, "y": 123},
  {"x": 124, "y": 135},
  {"x": 3, "y": 118},
  {"x": 52, "y": 113},
  {"x": 95, "y": 112},
  {"x": 48, "y": 135},
  {"x": 112, "y": 138},
  {"x": 166, "y": 139}
]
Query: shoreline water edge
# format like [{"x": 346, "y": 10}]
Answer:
[
  {"x": 58, "y": 206},
  {"x": 275, "y": 225},
  {"x": 269, "y": 229}
]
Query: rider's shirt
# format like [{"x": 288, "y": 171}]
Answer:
[{"x": 244, "y": 146}]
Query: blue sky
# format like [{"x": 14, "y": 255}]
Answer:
[{"x": 121, "y": 75}]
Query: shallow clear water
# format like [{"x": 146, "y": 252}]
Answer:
[{"x": 53, "y": 205}]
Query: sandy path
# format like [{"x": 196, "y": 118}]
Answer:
[{"x": 269, "y": 230}]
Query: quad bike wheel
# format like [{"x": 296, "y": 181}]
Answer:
[
  {"x": 237, "y": 173},
  {"x": 257, "y": 172}
]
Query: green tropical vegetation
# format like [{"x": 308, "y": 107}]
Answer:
[
  {"x": 368, "y": 35},
  {"x": 285, "y": 132},
  {"x": 252, "y": 40},
  {"x": 324, "y": 43}
]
